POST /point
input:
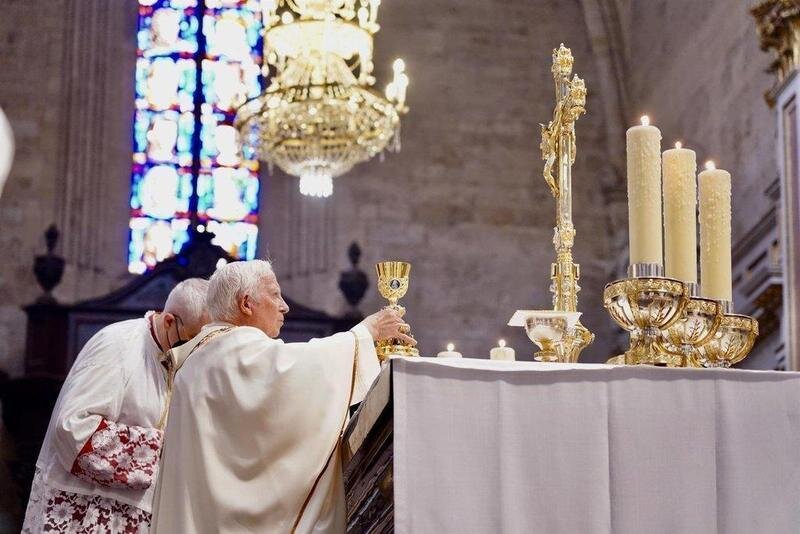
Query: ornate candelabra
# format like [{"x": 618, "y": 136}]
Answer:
[
  {"x": 696, "y": 327},
  {"x": 732, "y": 341},
  {"x": 558, "y": 332},
  {"x": 670, "y": 326},
  {"x": 645, "y": 304}
]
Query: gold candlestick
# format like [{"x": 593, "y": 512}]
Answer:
[
  {"x": 696, "y": 327},
  {"x": 732, "y": 341},
  {"x": 567, "y": 338},
  {"x": 646, "y": 304},
  {"x": 393, "y": 278}
]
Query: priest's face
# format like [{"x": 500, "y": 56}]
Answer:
[{"x": 266, "y": 309}]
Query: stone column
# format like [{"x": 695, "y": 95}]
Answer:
[
  {"x": 298, "y": 234},
  {"x": 94, "y": 160}
]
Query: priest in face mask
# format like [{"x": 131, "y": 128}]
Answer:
[{"x": 99, "y": 459}]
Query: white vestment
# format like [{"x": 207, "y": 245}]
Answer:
[
  {"x": 254, "y": 427},
  {"x": 102, "y": 442},
  {"x": 6, "y": 149}
]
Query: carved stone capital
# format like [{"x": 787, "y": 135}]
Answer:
[{"x": 778, "y": 23}]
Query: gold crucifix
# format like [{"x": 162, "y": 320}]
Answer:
[{"x": 558, "y": 150}]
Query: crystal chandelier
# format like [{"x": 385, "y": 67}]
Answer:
[{"x": 319, "y": 116}]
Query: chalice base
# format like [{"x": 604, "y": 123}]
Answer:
[
  {"x": 644, "y": 352},
  {"x": 546, "y": 356},
  {"x": 392, "y": 347}
]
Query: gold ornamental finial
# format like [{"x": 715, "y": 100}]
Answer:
[
  {"x": 562, "y": 60},
  {"x": 577, "y": 93}
]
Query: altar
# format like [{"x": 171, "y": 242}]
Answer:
[{"x": 468, "y": 445}]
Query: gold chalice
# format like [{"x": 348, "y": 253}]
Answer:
[
  {"x": 644, "y": 306},
  {"x": 695, "y": 328},
  {"x": 392, "y": 285},
  {"x": 732, "y": 341}
]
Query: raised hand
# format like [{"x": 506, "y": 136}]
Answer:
[{"x": 388, "y": 324}]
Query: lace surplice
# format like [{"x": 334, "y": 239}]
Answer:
[{"x": 116, "y": 455}]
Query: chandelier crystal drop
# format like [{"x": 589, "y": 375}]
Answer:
[
  {"x": 319, "y": 116},
  {"x": 316, "y": 185}
]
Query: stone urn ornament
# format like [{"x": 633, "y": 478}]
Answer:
[
  {"x": 49, "y": 267},
  {"x": 353, "y": 283}
]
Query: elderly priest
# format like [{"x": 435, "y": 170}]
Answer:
[
  {"x": 99, "y": 459},
  {"x": 252, "y": 439}
]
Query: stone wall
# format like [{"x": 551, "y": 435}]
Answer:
[
  {"x": 696, "y": 68},
  {"x": 66, "y": 84}
]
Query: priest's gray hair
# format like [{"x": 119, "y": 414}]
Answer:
[
  {"x": 233, "y": 281},
  {"x": 188, "y": 301}
]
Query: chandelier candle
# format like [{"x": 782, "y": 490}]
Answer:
[
  {"x": 680, "y": 214},
  {"x": 715, "y": 234},
  {"x": 644, "y": 193}
]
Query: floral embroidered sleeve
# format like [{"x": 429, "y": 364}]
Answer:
[{"x": 120, "y": 456}]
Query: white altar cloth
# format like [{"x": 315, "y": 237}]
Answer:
[{"x": 490, "y": 446}]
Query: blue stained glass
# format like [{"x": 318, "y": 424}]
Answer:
[
  {"x": 216, "y": 137},
  {"x": 248, "y": 152},
  {"x": 164, "y": 83},
  {"x": 152, "y": 241},
  {"x": 182, "y": 3},
  {"x": 161, "y": 191},
  {"x": 184, "y": 144},
  {"x": 217, "y": 4},
  {"x": 228, "y": 195},
  {"x": 141, "y": 123},
  {"x": 233, "y": 34},
  {"x": 238, "y": 238},
  {"x": 165, "y": 31},
  {"x": 226, "y": 85},
  {"x": 164, "y": 124}
]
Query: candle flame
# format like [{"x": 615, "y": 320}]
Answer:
[
  {"x": 645, "y": 120},
  {"x": 710, "y": 165},
  {"x": 502, "y": 343},
  {"x": 678, "y": 145},
  {"x": 450, "y": 347}
]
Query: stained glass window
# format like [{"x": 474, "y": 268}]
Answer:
[{"x": 197, "y": 60}]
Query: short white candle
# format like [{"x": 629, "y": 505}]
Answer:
[
  {"x": 501, "y": 352},
  {"x": 643, "y": 145},
  {"x": 680, "y": 213},
  {"x": 715, "y": 233},
  {"x": 450, "y": 352}
]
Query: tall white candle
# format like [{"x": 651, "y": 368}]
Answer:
[
  {"x": 644, "y": 193},
  {"x": 715, "y": 233},
  {"x": 680, "y": 213}
]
